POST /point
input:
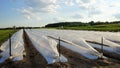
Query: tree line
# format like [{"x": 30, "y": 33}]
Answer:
[
  {"x": 22, "y": 27},
  {"x": 74, "y": 24}
]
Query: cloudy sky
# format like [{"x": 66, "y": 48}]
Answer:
[{"x": 42, "y": 12}]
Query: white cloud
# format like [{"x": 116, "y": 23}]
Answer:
[
  {"x": 34, "y": 8},
  {"x": 77, "y": 16},
  {"x": 89, "y": 7},
  {"x": 29, "y": 14},
  {"x": 45, "y": 6},
  {"x": 82, "y": 9},
  {"x": 49, "y": 9},
  {"x": 94, "y": 11},
  {"x": 117, "y": 16},
  {"x": 61, "y": 19},
  {"x": 85, "y": 3},
  {"x": 69, "y": 3}
]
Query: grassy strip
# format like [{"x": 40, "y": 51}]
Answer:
[
  {"x": 4, "y": 35},
  {"x": 94, "y": 29},
  {"x": 103, "y": 27}
]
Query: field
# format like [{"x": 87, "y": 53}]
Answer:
[
  {"x": 4, "y": 35},
  {"x": 51, "y": 48},
  {"x": 114, "y": 27},
  {"x": 103, "y": 27}
]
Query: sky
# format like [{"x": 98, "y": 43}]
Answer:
[{"x": 41, "y": 12}]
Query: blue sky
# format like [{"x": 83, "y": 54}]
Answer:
[{"x": 42, "y": 12}]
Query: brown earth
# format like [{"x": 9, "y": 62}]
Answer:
[{"x": 34, "y": 59}]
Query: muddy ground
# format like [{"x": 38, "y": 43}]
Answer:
[{"x": 34, "y": 59}]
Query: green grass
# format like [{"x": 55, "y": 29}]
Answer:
[
  {"x": 4, "y": 35},
  {"x": 103, "y": 27}
]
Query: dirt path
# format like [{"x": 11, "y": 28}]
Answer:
[
  {"x": 111, "y": 55},
  {"x": 106, "y": 53},
  {"x": 76, "y": 60},
  {"x": 33, "y": 57}
]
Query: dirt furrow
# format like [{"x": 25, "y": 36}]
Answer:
[{"x": 35, "y": 59}]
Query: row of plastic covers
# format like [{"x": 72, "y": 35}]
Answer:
[
  {"x": 69, "y": 41},
  {"x": 46, "y": 46},
  {"x": 46, "y": 41},
  {"x": 80, "y": 38},
  {"x": 17, "y": 48},
  {"x": 96, "y": 36}
]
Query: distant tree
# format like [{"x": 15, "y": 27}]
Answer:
[
  {"x": 14, "y": 28},
  {"x": 106, "y": 22},
  {"x": 91, "y": 23}
]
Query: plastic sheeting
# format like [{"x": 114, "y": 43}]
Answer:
[
  {"x": 67, "y": 36},
  {"x": 88, "y": 53},
  {"x": 109, "y": 49},
  {"x": 78, "y": 37},
  {"x": 46, "y": 46},
  {"x": 17, "y": 47},
  {"x": 96, "y": 36},
  {"x": 78, "y": 44}
]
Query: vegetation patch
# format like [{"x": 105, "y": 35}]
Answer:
[
  {"x": 4, "y": 35},
  {"x": 96, "y": 26}
]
